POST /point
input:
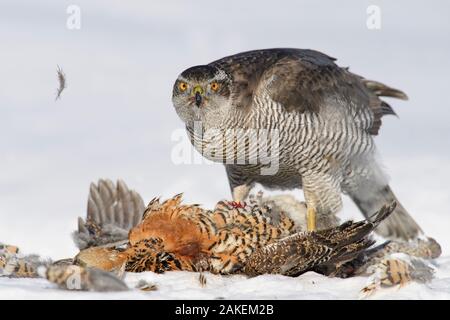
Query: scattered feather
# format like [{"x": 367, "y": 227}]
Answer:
[
  {"x": 146, "y": 286},
  {"x": 61, "y": 81},
  {"x": 202, "y": 280}
]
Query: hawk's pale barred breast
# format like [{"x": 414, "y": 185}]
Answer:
[
  {"x": 321, "y": 126},
  {"x": 324, "y": 117},
  {"x": 306, "y": 140}
]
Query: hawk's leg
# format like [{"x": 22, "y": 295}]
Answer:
[
  {"x": 322, "y": 195},
  {"x": 311, "y": 219},
  {"x": 240, "y": 193},
  {"x": 240, "y": 184}
]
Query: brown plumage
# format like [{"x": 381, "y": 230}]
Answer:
[
  {"x": 112, "y": 210},
  {"x": 173, "y": 236},
  {"x": 229, "y": 239},
  {"x": 249, "y": 239},
  {"x": 252, "y": 239}
]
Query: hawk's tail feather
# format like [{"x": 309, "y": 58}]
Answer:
[
  {"x": 379, "y": 107},
  {"x": 399, "y": 225},
  {"x": 386, "y": 109},
  {"x": 383, "y": 90},
  {"x": 112, "y": 211}
]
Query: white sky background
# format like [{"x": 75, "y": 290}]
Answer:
[{"x": 115, "y": 119}]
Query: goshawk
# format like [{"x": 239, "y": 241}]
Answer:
[{"x": 322, "y": 116}]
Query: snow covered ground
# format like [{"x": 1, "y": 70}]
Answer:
[
  {"x": 185, "y": 285},
  {"x": 115, "y": 119}
]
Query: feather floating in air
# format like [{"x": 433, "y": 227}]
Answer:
[{"x": 61, "y": 81}]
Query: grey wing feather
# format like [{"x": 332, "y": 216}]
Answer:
[
  {"x": 118, "y": 214},
  {"x": 126, "y": 202},
  {"x": 302, "y": 86},
  {"x": 247, "y": 69},
  {"x": 306, "y": 81},
  {"x": 139, "y": 207},
  {"x": 112, "y": 211},
  {"x": 95, "y": 205},
  {"x": 299, "y": 85}
]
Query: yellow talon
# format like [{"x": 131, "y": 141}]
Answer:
[{"x": 311, "y": 219}]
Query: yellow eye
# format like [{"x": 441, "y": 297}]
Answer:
[
  {"x": 182, "y": 86},
  {"x": 214, "y": 86}
]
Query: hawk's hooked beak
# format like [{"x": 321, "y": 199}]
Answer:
[{"x": 198, "y": 95}]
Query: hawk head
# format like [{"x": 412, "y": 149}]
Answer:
[{"x": 202, "y": 93}]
